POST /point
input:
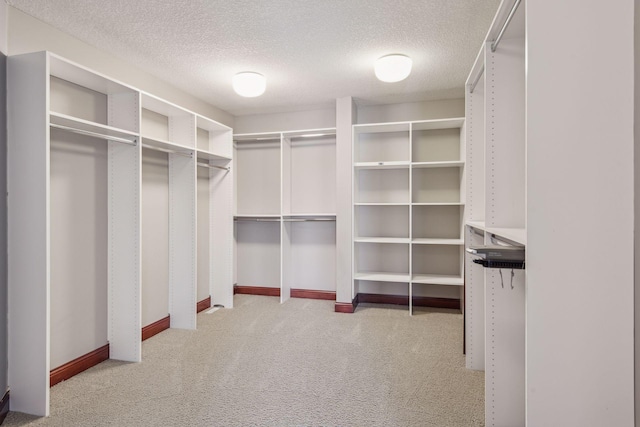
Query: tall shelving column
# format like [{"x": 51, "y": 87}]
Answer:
[
  {"x": 257, "y": 178},
  {"x": 309, "y": 211},
  {"x": 475, "y": 208},
  {"x": 216, "y": 151},
  {"x": 381, "y": 204},
  {"x": 437, "y": 204},
  {"x": 29, "y": 217},
  {"x": 495, "y": 321}
]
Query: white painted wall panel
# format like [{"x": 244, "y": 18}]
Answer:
[
  {"x": 580, "y": 178},
  {"x": 78, "y": 246},
  {"x": 155, "y": 236}
]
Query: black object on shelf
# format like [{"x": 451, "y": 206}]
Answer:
[{"x": 487, "y": 263}]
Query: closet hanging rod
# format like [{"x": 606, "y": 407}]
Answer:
[
  {"x": 476, "y": 80},
  {"x": 93, "y": 134},
  {"x": 308, "y": 219},
  {"x": 180, "y": 153},
  {"x": 496, "y": 41},
  {"x": 257, "y": 219},
  {"x": 207, "y": 165}
]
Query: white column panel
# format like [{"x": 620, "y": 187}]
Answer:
[
  {"x": 28, "y": 220},
  {"x": 580, "y": 194},
  {"x": 182, "y": 241},
  {"x": 474, "y": 305},
  {"x": 222, "y": 241},
  {"x": 125, "y": 281},
  {"x": 345, "y": 118}
]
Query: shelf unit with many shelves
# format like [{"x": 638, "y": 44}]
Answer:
[{"x": 408, "y": 204}]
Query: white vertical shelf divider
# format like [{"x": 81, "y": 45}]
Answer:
[
  {"x": 28, "y": 237},
  {"x": 411, "y": 160},
  {"x": 125, "y": 235},
  {"x": 505, "y": 148},
  {"x": 182, "y": 224},
  {"x": 286, "y": 229},
  {"x": 475, "y": 212}
]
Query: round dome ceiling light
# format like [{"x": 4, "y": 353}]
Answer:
[
  {"x": 249, "y": 84},
  {"x": 393, "y": 68}
]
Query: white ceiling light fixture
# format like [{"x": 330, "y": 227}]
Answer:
[
  {"x": 393, "y": 68},
  {"x": 249, "y": 84}
]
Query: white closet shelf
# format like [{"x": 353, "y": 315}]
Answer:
[
  {"x": 382, "y": 165},
  {"x": 438, "y": 204},
  {"x": 382, "y": 128},
  {"x": 207, "y": 155},
  {"x": 257, "y": 216},
  {"x": 160, "y": 106},
  {"x": 309, "y": 215},
  {"x": 405, "y": 240},
  {"x": 518, "y": 235},
  {"x": 438, "y": 124},
  {"x": 480, "y": 225},
  {"x": 425, "y": 241},
  {"x": 166, "y": 145},
  {"x": 382, "y": 277},
  {"x": 382, "y": 204},
  {"x": 445, "y": 164},
  {"x": 88, "y": 126},
  {"x": 77, "y": 74},
  {"x": 437, "y": 279}
]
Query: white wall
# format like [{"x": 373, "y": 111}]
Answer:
[
  {"x": 580, "y": 217},
  {"x": 155, "y": 236},
  {"x": 427, "y": 110},
  {"x": 637, "y": 210},
  {"x": 295, "y": 120},
  {"x": 3, "y": 199},
  {"x": 27, "y": 34}
]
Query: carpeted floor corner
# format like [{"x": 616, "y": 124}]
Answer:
[{"x": 295, "y": 364}]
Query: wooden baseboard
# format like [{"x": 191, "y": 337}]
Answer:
[
  {"x": 347, "y": 307},
  {"x": 156, "y": 327},
  {"x": 204, "y": 304},
  {"x": 4, "y": 407},
  {"x": 78, "y": 365},
  {"x": 256, "y": 290},
  {"x": 404, "y": 300},
  {"x": 311, "y": 294}
]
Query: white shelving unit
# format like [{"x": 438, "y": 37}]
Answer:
[
  {"x": 408, "y": 204},
  {"x": 113, "y": 118},
  {"x": 285, "y": 213},
  {"x": 496, "y": 194}
]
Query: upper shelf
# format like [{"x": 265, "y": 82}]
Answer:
[
  {"x": 447, "y": 164},
  {"x": 382, "y": 165},
  {"x": 207, "y": 155},
  {"x": 75, "y": 123},
  {"x": 166, "y": 145}
]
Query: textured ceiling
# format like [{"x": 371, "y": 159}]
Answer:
[{"x": 311, "y": 51}]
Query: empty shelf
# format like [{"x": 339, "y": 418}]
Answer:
[
  {"x": 63, "y": 120},
  {"x": 447, "y": 164},
  {"x": 206, "y": 155},
  {"x": 381, "y": 240},
  {"x": 420, "y": 241},
  {"x": 382, "y": 165},
  {"x": 437, "y": 279},
  {"x": 382, "y": 277}
]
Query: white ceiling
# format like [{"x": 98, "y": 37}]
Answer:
[{"x": 311, "y": 51}]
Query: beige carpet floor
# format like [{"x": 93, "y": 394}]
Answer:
[{"x": 295, "y": 364}]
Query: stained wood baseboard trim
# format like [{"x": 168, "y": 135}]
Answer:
[
  {"x": 156, "y": 327},
  {"x": 78, "y": 365},
  {"x": 4, "y": 407},
  {"x": 256, "y": 290},
  {"x": 347, "y": 307},
  {"x": 204, "y": 304},
  {"x": 404, "y": 300},
  {"x": 311, "y": 294}
]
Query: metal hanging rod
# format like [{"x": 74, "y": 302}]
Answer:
[
  {"x": 93, "y": 134},
  {"x": 257, "y": 219},
  {"x": 308, "y": 219},
  {"x": 180, "y": 153},
  {"x": 496, "y": 41},
  {"x": 207, "y": 165},
  {"x": 476, "y": 80}
]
